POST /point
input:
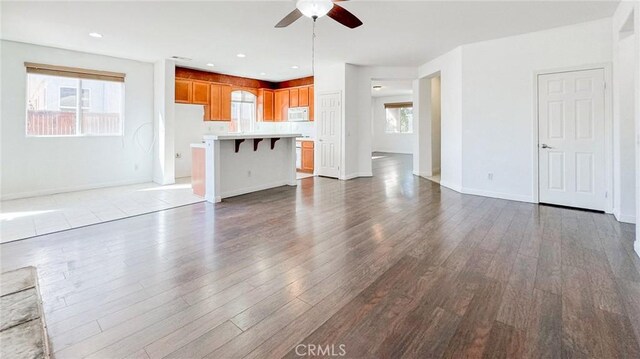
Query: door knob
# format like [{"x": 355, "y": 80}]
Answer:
[{"x": 544, "y": 145}]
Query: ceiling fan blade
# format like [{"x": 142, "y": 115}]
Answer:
[
  {"x": 289, "y": 19},
  {"x": 344, "y": 17}
]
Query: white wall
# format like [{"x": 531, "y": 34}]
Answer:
[
  {"x": 435, "y": 125},
  {"x": 389, "y": 142},
  {"x": 164, "y": 77},
  {"x": 488, "y": 104},
  {"x": 627, "y": 19},
  {"x": 498, "y": 101},
  {"x": 190, "y": 127},
  {"x": 36, "y": 166},
  {"x": 449, "y": 68},
  {"x": 624, "y": 129}
]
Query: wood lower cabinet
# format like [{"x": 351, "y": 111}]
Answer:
[
  {"x": 198, "y": 178},
  {"x": 184, "y": 91},
  {"x": 307, "y": 156}
]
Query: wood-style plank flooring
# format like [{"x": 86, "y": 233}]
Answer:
[{"x": 384, "y": 267}]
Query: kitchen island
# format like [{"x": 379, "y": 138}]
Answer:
[{"x": 239, "y": 163}]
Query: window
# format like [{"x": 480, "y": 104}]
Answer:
[
  {"x": 243, "y": 110},
  {"x": 54, "y": 109},
  {"x": 399, "y": 117}
]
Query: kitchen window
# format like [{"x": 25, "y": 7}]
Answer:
[
  {"x": 54, "y": 108},
  {"x": 399, "y": 117},
  {"x": 243, "y": 110}
]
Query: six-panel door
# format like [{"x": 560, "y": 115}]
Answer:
[{"x": 571, "y": 139}]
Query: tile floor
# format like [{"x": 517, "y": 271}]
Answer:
[{"x": 28, "y": 217}]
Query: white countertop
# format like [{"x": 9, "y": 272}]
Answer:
[{"x": 246, "y": 136}]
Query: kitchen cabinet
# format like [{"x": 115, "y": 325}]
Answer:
[
  {"x": 200, "y": 92},
  {"x": 183, "y": 91},
  {"x": 293, "y": 97},
  {"x": 312, "y": 102},
  {"x": 303, "y": 96},
  {"x": 220, "y": 103},
  {"x": 307, "y": 157},
  {"x": 265, "y": 105},
  {"x": 281, "y": 105}
]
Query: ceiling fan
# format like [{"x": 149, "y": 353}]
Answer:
[{"x": 315, "y": 9}]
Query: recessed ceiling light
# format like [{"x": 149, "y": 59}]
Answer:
[
  {"x": 263, "y": 73},
  {"x": 241, "y": 55},
  {"x": 210, "y": 65},
  {"x": 95, "y": 34},
  {"x": 377, "y": 87},
  {"x": 295, "y": 67}
]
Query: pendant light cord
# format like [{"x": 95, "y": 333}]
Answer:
[{"x": 313, "y": 49}]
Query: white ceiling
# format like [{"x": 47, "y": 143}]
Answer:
[
  {"x": 392, "y": 88},
  {"x": 394, "y": 32}
]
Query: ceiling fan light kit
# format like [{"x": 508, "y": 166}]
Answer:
[{"x": 314, "y": 8}]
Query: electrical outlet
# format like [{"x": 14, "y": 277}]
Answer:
[
  {"x": 490, "y": 176},
  {"x": 178, "y": 155}
]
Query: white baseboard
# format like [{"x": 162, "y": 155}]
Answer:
[
  {"x": 451, "y": 186},
  {"x": 624, "y": 218},
  {"x": 394, "y": 151},
  {"x": 52, "y": 191},
  {"x": 356, "y": 175},
  {"x": 500, "y": 195},
  {"x": 260, "y": 187},
  {"x": 422, "y": 174}
]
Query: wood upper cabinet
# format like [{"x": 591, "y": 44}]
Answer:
[
  {"x": 184, "y": 91},
  {"x": 281, "y": 105},
  {"x": 220, "y": 103},
  {"x": 265, "y": 105},
  {"x": 293, "y": 97},
  {"x": 312, "y": 103},
  {"x": 303, "y": 96},
  {"x": 200, "y": 91}
]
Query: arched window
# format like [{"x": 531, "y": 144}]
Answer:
[{"x": 243, "y": 110}]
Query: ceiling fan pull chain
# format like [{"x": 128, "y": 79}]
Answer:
[{"x": 313, "y": 49}]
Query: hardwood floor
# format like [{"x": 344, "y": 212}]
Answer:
[{"x": 389, "y": 266}]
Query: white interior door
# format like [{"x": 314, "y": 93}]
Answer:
[
  {"x": 571, "y": 139},
  {"x": 329, "y": 127}
]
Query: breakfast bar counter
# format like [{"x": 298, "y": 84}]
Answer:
[{"x": 239, "y": 163}]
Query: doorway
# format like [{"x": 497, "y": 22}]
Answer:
[{"x": 571, "y": 139}]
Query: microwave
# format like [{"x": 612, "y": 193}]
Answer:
[{"x": 296, "y": 114}]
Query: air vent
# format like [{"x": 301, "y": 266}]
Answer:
[{"x": 181, "y": 58}]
